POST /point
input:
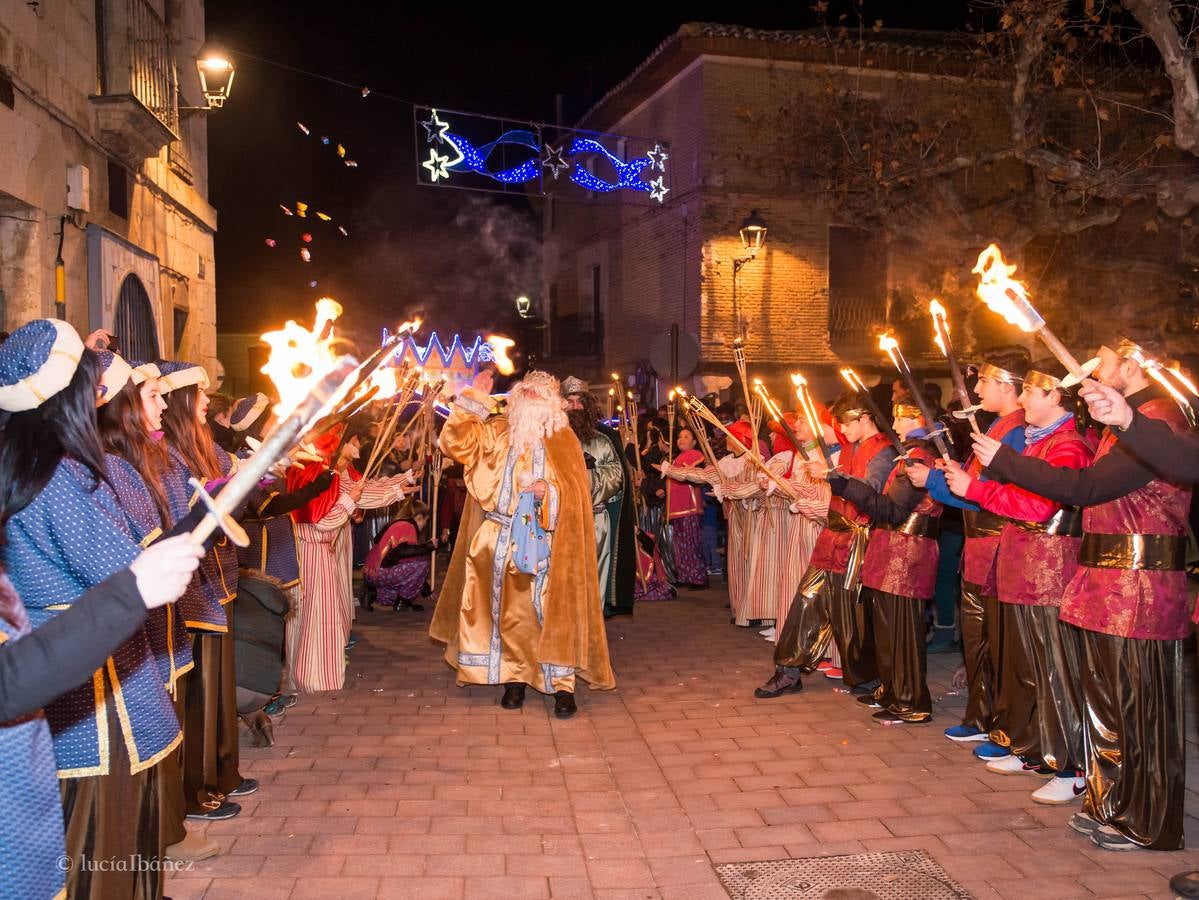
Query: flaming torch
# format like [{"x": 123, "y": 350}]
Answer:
[
  {"x": 700, "y": 432},
  {"x": 941, "y": 338},
  {"x": 882, "y": 422},
  {"x": 772, "y": 410},
  {"x": 750, "y": 406},
  {"x": 1008, "y": 297},
  {"x": 310, "y": 379},
  {"x": 890, "y": 346},
  {"x": 702, "y": 413},
  {"x": 500, "y": 346},
  {"x": 811, "y": 416}
]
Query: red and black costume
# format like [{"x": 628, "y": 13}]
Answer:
[
  {"x": 1130, "y": 604},
  {"x": 899, "y": 576},
  {"x": 827, "y": 604},
  {"x": 1036, "y": 701}
]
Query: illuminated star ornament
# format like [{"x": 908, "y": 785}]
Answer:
[
  {"x": 512, "y": 156},
  {"x": 435, "y": 129},
  {"x": 554, "y": 161},
  {"x": 658, "y": 157},
  {"x": 436, "y": 164}
]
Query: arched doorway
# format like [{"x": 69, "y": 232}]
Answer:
[{"x": 133, "y": 324}]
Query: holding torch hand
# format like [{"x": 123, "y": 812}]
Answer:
[
  {"x": 985, "y": 448},
  {"x": 1107, "y": 405}
]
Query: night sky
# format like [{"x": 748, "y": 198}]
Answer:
[{"x": 459, "y": 258}]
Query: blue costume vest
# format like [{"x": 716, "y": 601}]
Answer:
[
  {"x": 272, "y": 548},
  {"x": 169, "y": 641},
  {"x": 31, "y": 828},
  {"x": 200, "y": 606},
  {"x": 70, "y": 538}
]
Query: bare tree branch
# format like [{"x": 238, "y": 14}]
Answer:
[{"x": 1154, "y": 16}]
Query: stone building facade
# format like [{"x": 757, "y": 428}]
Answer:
[
  {"x": 104, "y": 216},
  {"x": 716, "y": 94}
]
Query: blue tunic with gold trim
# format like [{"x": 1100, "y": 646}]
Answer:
[
  {"x": 169, "y": 641},
  {"x": 70, "y": 538},
  {"x": 272, "y": 547},
  {"x": 31, "y": 828},
  {"x": 200, "y": 607}
]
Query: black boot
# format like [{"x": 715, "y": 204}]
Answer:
[
  {"x": 564, "y": 704},
  {"x": 782, "y": 682},
  {"x": 514, "y": 696}
]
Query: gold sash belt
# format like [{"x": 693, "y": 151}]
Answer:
[
  {"x": 917, "y": 525},
  {"x": 1158, "y": 552},
  {"x": 1066, "y": 521},
  {"x": 857, "y": 547},
  {"x": 980, "y": 523}
]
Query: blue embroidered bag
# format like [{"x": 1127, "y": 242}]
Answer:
[{"x": 530, "y": 542}]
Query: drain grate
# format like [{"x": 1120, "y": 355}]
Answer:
[{"x": 909, "y": 875}]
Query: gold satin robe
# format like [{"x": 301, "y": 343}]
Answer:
[{"x": 499, "y": 624}]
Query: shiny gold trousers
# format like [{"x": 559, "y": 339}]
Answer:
[
  {"x": 112, "y": 819},
  {"x": 1054, "y": 655},
  {"x": 822, "y": 605},
  {"x": 901, "y": 655},
  {"x": 804, "y": 636},
  {"x": 1014, "y": 702},
  {"x": 1133, "y": 734},
  {"x": 976, "y": 650},
  {"x": 210, "y": 726}
]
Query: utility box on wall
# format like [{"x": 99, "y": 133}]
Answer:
[{"x": 79, "y": 186}]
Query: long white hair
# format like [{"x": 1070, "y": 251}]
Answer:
[{"x": 536, "y": 409}]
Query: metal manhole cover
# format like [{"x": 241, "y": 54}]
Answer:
[{"x": 910, "y": 875}]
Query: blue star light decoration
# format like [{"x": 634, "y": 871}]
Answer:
[{"x": 466, "y": 157}]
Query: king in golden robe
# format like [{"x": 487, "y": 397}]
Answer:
[{"x": 502, "y": 624}]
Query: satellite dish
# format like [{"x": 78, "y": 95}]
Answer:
[{"x": 659, "y": 355}]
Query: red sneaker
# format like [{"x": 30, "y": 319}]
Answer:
[
  {"x": 824, "y": 665},
  {"x": 834, "y": 673}
]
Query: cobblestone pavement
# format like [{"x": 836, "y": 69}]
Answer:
[{"x": 404, "y": 785}]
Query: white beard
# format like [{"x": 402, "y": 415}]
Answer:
[{"x": 532, "y": 420}]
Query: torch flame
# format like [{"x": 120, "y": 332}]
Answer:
[
  {"x": 611, "y": 392},
  {"x": 937, "y": 311},
  {"x": 1186, "y": 382},
  {"x": 851, "y": 378},
  {"x": 798, "y": 380},
  {"x": 1002, "y": 293},
  {"x": 327, "y": 310},
  {"x": 500, "y": 346},
  {"x": 412, "y": 326},
  {"x": 300, "y": 358}
]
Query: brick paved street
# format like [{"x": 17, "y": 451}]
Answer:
[{"x": 404, "y": 785}]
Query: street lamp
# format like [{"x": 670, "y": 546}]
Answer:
[
  {"x": 216, "y": 69},
  {"x": 753, "y": 236},
  {"x": 522, "y": 306}
]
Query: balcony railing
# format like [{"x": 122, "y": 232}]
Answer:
[
  {"x": 138, "y": 103},
  {"x": 152, "y": 65}
]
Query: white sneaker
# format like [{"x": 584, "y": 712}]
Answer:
[
  {"x": 768, "y": 634},
  {"x": 1008, "y": 765},
  {"x": 1060, "y": 790}
]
